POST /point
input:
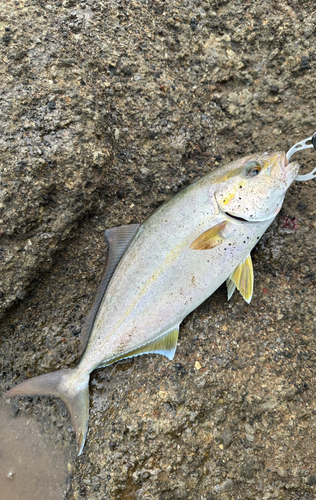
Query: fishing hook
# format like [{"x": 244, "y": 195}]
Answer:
[{"x": 310, "y": 142}]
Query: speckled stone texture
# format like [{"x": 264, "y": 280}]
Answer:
[{"x": 108, "y": 108}]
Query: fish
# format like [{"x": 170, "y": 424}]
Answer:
[{"x": 159, "y": 271}]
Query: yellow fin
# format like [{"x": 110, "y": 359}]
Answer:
[
  {"x": 165, "y": 345},
  {"x": 242, "y": 278},
  {"x": 210, "y": 238}
]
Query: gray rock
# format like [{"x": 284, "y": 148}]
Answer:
[{"x": 107, "y": 110}]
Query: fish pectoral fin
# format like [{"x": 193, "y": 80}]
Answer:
[
  {"x": 242, "y": 278},
  {"x": 118, "y": 239},
  {"x": 210, "y": 238},
  {"x": 165, "y": 345}
]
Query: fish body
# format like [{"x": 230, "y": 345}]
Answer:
[
  {"x": 161, "y": 279},
  {"x": 160, "y": 271}
]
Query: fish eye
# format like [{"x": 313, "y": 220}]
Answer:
[{"x": 252, "y": 168}]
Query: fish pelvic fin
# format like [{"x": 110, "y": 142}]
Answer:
[
  {"x": 66, "y": 385},
  {"x": 231, "y": 287},
  {"x": 242, "y": 278}
]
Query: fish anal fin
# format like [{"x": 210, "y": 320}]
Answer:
[
  {"x": 165, "y": 345},
  {"x": 118, "y": 240},
  {"x": 242, "y": 278},
  {"x": 210, "y": 238}
]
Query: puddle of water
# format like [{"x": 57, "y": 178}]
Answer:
[{"x": 31, "y": 466}]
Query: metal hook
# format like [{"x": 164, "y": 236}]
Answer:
[{"x": 310, "y": 142}]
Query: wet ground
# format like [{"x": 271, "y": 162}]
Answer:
[
  {"x": 32, "y": 466},
  {"x": 107, "y": 110}
]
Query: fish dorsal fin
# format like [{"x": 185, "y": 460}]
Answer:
[
  {"x": 118, "y": 239},
  {"x": 210, "y": 238},
  {"x": 242, "y": 278}
]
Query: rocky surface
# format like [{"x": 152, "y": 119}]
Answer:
[{"x": 108, "y": 108}]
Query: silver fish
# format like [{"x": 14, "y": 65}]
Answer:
[{"x": 160, "y": 271}]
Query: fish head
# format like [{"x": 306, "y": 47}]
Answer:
[{"x": 253, "y": 188}]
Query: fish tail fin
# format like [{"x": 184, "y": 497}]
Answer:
[{"x": 68, "y": 386}]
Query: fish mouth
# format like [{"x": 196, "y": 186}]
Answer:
[
  {"x": 239, "y": 219},
  {"x": 283, "y": 170},
  {"x": 278, "y": 170}
]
